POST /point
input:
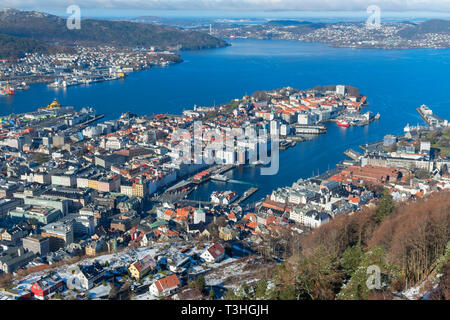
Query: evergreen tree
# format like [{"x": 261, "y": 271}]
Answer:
[
  {"x": 230, "y": 295},
  {"x": 288, "y": 293},
  {"x": 357, "y": 288},
  {"x": 318, "y": 276},
  {"x": 261, "y": 288},
  {"x": 200, "y": 283},
  {"x": 212, "y": 295},
  {"x": 351, "y": 258},
  {"x": 385, "y": 207}
]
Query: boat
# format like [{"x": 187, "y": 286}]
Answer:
[
  {"x": 343, "y": 123},
  {"x": 7, "y": 90},
  {"x": 377, "y": 116},
  {"x": 219, "y": 177}
]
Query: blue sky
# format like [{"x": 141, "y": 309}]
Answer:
[{"x": 231, "y": 8}]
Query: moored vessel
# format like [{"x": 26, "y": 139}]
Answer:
[{"x": 343, "y": 123}]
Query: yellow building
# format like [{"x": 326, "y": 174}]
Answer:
[
  {"x": 138, "y": 190},
  {"x": 225, "y": 234},
  {"x": 140, "y": 268},
  {"x": 93, "y": 184}
]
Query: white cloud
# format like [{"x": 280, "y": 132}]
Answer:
[{"x": 307, "y": 5}]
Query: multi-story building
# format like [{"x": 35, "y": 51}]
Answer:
[
  {"x": 64, "y": 180},
  {"x": 37, "y": 244},
  {"x": 62, "y": 205},
  {"x": 43, "y": 215},
  {"x": 60, "y": 233}
]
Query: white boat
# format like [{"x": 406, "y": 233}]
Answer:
[{"x": 219, "y": 177}]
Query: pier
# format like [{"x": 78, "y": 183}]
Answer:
[
  {"x": 352, "y": 154},
  {"x": 224, "y": 169},
  {"x": 196, "y": 202},
  {"x": 96, "y": 118},
  {"x": 302, "y": 129},
  {"x": 247, "y": 194},
  {"x": 424, "y": 117},
  {"x": 431, "y": 119}
]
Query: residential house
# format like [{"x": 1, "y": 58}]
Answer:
[
  {"x": 47, "y": 285},
  {"x": 165, "y": 286},
  {"x": 214, "y": 253},
  {"x": 90, "y": 275},
  {"x": 142, "y": 267}
]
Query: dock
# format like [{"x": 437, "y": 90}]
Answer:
[
  {"x": 431, "y": 119},
  {"x": 247, "y": 194},
  {"x": 96, "y": 118},
  {"x": 419, "y": 111},
  {"x": 285, "y": 145},
  {"x": 303, "y": 129},
  {"x": 352, "y": 154},
  {"x": 196, "y": 202},
  {"x": 225, "y": 168}
]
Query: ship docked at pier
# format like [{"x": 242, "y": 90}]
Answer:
[
  {"x": 7, "y": 90},
  {"x": 219, "y": 177},
  {"x": 343, "y": 123}
]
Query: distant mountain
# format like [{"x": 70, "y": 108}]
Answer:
[
  {"x": 52, "y": 29},
  {"x": 429, "y": 26},
  {"x": 12, "y": 48},
  {"x": 290, "y": 23}
]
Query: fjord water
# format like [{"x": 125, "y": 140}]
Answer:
[{"x": 395, "y": 82}]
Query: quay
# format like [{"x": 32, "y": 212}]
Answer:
[
  {"x": 224, "y": 169},
  {"x": 430, "y": 118},
  {"x": 424, "y": 117},
  {"x": 302, "y": 129},
  {"x": 352, "y": 154},
  {"x": 247, "y": 194},
  {"x": 195, "y": 202},
  {"x": 96, "y": 118}
]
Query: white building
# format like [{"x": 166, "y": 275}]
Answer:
[
  {"x": 340, "y": 89},
  {"x": 285, "y": 129},
  {"x": 63, "y": 180},
  {"x": 199, "y": 216},
  {"x": 165, "y": 286},
  {"x": 309, "y": 218},
  {"x": 214, "y": 253}
]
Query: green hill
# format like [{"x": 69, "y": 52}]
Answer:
[
  {"x": 52, "y": 29},
  {"x": 14, "y": 47},
  {"x": 429, "y": 26}
]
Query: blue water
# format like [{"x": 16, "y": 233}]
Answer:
[{"x": 395, "y": 82}]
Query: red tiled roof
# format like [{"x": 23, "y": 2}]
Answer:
[
  {"x": 167, "y": 283},
  {"x": 216, "y": 250}
]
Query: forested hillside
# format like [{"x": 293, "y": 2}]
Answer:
[
  {"x": 15, "y": 47},
  {"x": 409, "y": 242},
  {"x": 46, "y": 30}
]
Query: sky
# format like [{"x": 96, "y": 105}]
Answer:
[{"x": 138, "y": 7}]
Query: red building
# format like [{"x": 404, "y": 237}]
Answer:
[{"x": 47, "y": 285}]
